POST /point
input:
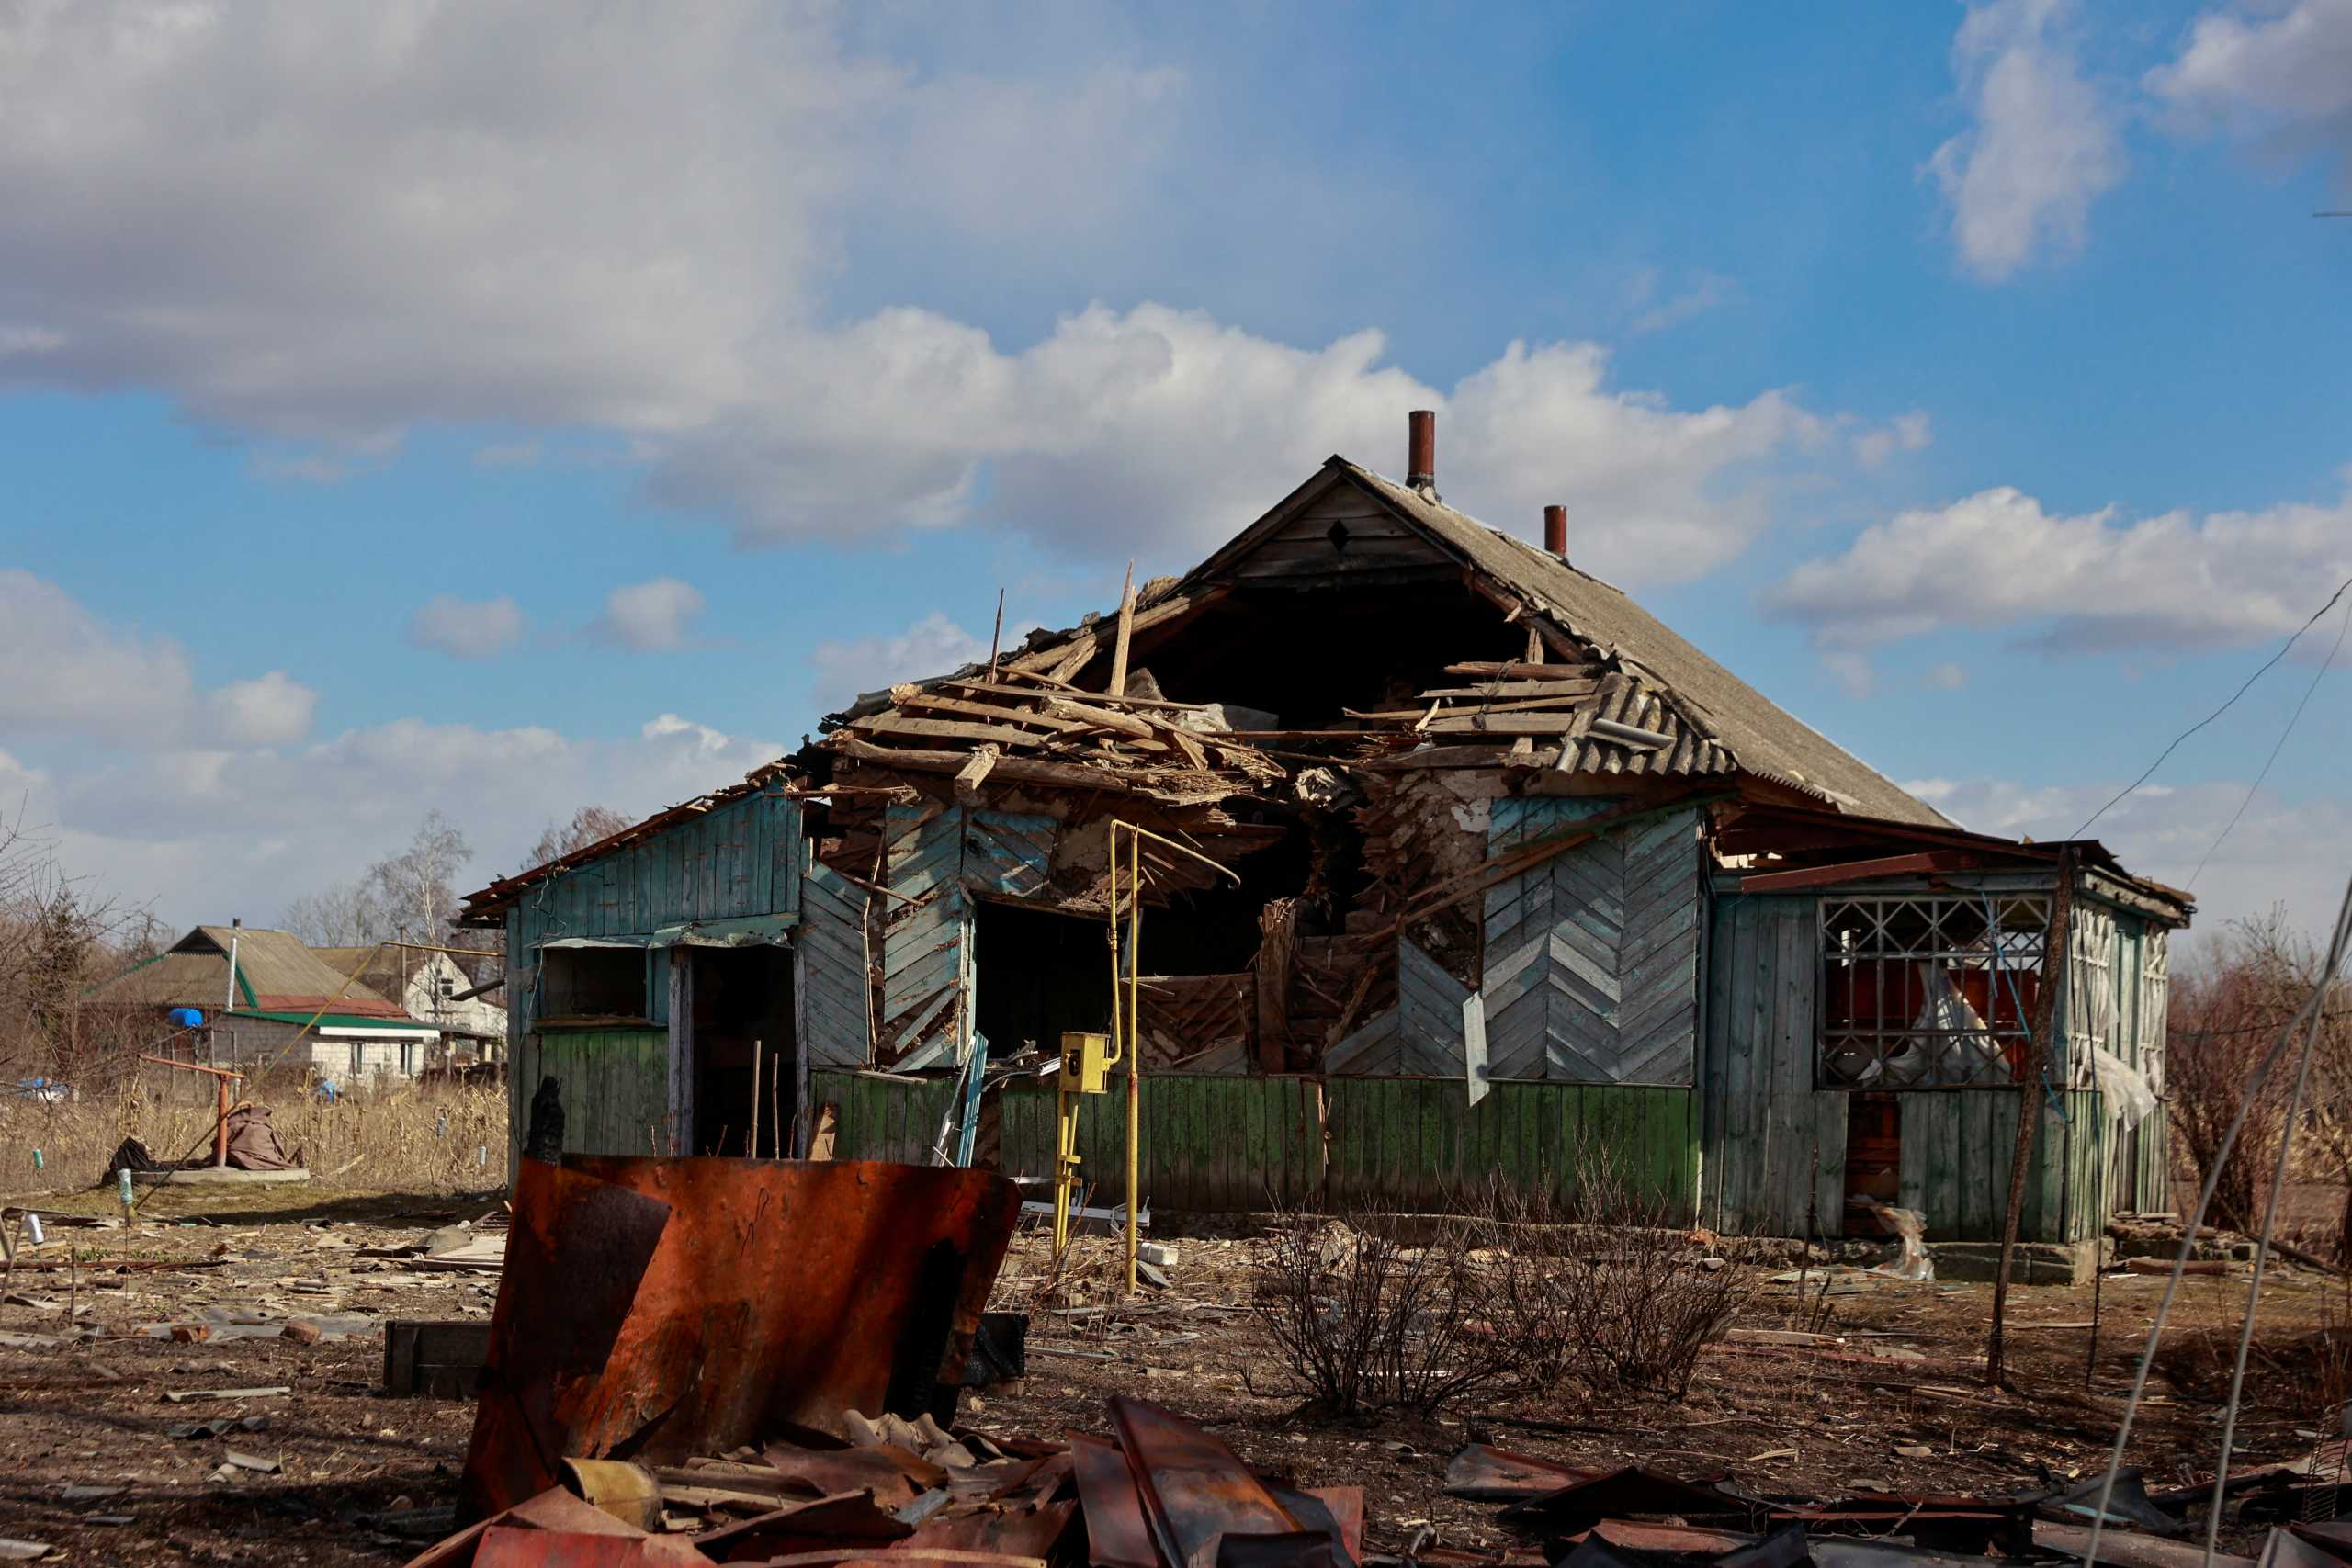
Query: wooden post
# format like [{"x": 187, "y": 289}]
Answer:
[
  {"x": 1118, "y": 687},
  {"x": 751, "y": 1149},
  {"x": 2057, "y": 971}
]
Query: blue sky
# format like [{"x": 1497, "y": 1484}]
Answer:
[{"x": 495, "y": 409}]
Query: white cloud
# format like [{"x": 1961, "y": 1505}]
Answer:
[
  {"x": 2043, "y": 147},
  {"x": 466, "y": 628},
  {"x": 1947, "y": 676},
  {"x": 1904, "y": 433},
  {"x": 208, "y": 834},
  {"x": 633, "y": 226},
  {"x": 1708, "y": 291},
  {"x": 652, "y": 617},
  {"x": 2278, "y": 72},
  {"x": 2087, "y": 583},
  {"x": 69, "y": 674},
  {"x": 1854, "y": 673},
  {"x": 2162, "y": 833},
  {"x": 932, "y": 646},
  {"x": 272, "y": 711}
]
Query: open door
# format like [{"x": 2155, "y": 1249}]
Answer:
[{"x": 737, "y": 1011}]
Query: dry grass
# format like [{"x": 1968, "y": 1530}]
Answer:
[{"x": 401, "y": 1139}]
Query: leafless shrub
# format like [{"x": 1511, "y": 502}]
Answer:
[
  {"x": 1366, "y": 1316},
  {"x": 2225, "y": 1015},
  {"x": 1606, "y": 1287}
]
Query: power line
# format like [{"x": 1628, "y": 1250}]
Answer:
[
  {"x": 2218, "y": 712},
  {"x": 2292, "y": 719}
]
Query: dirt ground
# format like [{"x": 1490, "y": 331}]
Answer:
[{"x": 1798, "y": 1419}]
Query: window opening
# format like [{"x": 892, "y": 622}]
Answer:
[
  {"x": 594, "y": 983},
  {"x": 1925, "y": 992}
]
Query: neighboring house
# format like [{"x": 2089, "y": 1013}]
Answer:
[
  {"x": 434, "y": 987},
  {"x": 1512, "y": 875},
  {"x": 269, "y": 1002}
]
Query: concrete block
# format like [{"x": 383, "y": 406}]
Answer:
[{"x": 2034, "y": 1263}]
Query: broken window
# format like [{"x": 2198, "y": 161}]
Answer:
[
  {"x": 2154, "y": 985},
  {"x": 1928, "y": 991},
  {"x": 592, "y": 982},
  {"x": 2091, "y": 995}
]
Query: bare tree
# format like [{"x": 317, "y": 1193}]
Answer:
[
  {"x": 2225, "y": 1014},
  {"x": 589, "y": 825},
  {"x": 410, "y": 896}
]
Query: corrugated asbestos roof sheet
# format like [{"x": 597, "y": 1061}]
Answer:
[{"x": 1764, "y": 737}]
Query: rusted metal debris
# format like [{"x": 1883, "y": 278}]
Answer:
[
  {"x": 1622, "y": 1518},
  {"x": 1158, "y": 1492},
  {"x": 653, "y": 1309}
]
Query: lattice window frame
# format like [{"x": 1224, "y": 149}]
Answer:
[
  {"x": 1860, "y": 929},
  {"x": 2156, "y": 997},
  {"x": 2091, "y": 993}
]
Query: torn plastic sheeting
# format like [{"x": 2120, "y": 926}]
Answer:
[
  {"x": 660, "y": 1308},
  {"x": 1910, "y": 1227},
  {"x": 2122, "y": 1088}
]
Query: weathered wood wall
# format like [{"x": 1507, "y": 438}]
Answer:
[
  {"x": 614, "y": 1083},
  {"x": 1764, "y": 1123},
  {"x": 832, "y": 989},
  {"x": 1592, "y": 956},
  {"x": 1222, "y": 1145},
  {"x": 741, "y": 861}
]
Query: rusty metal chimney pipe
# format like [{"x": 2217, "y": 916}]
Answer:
[
  {"x": 1555, "y": 531},
  {"x": 1420, "y": 455}
]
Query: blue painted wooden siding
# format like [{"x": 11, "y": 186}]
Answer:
[
  {"x": 833, "y": 991},
  {"x": 925, "y": 951},
  {"x": 738, "y": 860},
  {"x": 1419, "y": 1037},
  {"x": 936, "y": 858},
  {"x": 1592, "y": 957}
]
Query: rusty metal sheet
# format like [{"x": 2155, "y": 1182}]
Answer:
[
  {"x": 894, "y": 1475},
  {"x": 1195, "y": 1489},
  {"x": 850, "y": 1521},
  {"x": 1029, "y": 1532},
  {"x": 554, "y": 1509},
  {"x": 652, "y": 1309},
  {"x": 506, "y": 1546},
  {"x": 1632, "y": 1490},
  {"x": 1484, "y": 1473},
  {"x": 1117, "y": 1534}
]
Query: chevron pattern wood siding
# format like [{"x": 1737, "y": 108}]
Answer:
[
  {"x": 1007, "y": 854},
  {"x": 832, "y": 987},
  {"x": 925, "y": 956},
  {"x": 1592, "y": 956},
  {"x": 1419, "y": 1037}
]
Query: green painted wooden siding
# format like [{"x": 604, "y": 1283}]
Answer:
[
  {"x": 615, "y": 1083},
  {"x": 1210, "y": 1144},
  {"x": 883, "y": 1118},
  {"x": 1418, "y": 1141},
  {"x": 1957, "y": 1146},
  {"x": 1224, "y": 1144}
]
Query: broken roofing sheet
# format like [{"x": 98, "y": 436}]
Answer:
[
  {"x": 1595, "y": 1518},
  {"x": 656, "y": 1308},
  {"x": 1159, "y": 1492}
]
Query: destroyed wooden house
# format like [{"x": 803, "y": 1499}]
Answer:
[{"x": 1517, "y": 872}]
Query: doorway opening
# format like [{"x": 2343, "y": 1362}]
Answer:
[
  {"x": 1039, "y": 974},
  {"x": 740, "y": 1003},
  {"x": 1874, "y": 1162}
]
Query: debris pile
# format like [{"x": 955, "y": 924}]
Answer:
[
  {"x": 1159, "y": 1492},
  {"x": 1594, "y": 1518}
]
